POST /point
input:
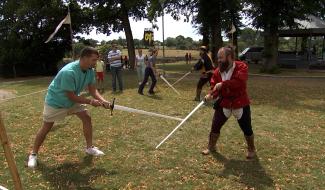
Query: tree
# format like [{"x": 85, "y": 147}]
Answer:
[
  {"x": 113, "y": 16},
  {"x": 25, "y": 25},
  {"x": 249, "y": 37},
  {"x": 233, "y": 11},
  {"x": 272, "y": 15},
  {"x": 89, "y": 42},
  {"x": 209, "y": 17},
  {"x": 170, "y": 42}
]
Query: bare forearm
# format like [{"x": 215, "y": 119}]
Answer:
[
  {"x": 78, "y": 99},
  {"x": 97, "y": 96}
]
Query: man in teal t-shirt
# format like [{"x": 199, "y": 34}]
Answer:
[
  {"x": 63, "y": 98},
  {"x": 70, "y": 78}
]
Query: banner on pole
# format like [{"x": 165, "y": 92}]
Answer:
[
  {"x": 66, "y": 20},
  {"x": 148, "y": 37}
]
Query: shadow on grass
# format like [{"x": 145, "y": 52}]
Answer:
[
  {"x": 73, "y": 175},
  {"x": 155, "y": 97},
  {"x": 251, "y": 173}
]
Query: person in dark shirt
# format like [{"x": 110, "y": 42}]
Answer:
[{"x": 204, "y": 65}]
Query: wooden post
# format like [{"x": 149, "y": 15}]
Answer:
[{"x": 9, "y": 156}]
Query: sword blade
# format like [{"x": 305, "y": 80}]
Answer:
[
  {"x": 181, "y": 123},
  {"x": 169, "y": 84},
  {"x": 132, "y": 110},
  {"x": 181, "y": 78}
]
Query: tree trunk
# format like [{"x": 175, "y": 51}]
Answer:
[
  {"x": 205, "y": 34},
  {"x": 235, "y": 44},
  {"x": 270, "y": 55},
  {"x": 14, "y": 70},
  {"x": 216, "y": 37},
  {"x": 129, "y": 36}
]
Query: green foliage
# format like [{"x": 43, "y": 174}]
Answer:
[
  {"x": 272, "y": 15},
  {"x": 249, "y": 37},
  {"x": 24, "y": 27},
  {"x": 77, "y": 47}
]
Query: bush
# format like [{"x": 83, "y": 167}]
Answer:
[{"x": 63, "y": 62}]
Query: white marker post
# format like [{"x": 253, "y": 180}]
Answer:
[
  {"x": 179, "y": 125},
  {"x": 169, "y": 84},
  {"x": 181, "y": 78}
]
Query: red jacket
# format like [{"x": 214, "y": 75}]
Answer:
[{"x": 233, "y": 92}]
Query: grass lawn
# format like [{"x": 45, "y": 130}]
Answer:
[{"x": 288, "y": 116}]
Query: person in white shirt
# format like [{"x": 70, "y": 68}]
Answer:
[
  {"x": 140, "y": 65},
  {"x": 100, "y": 67},
  {"x": 114, "y": 58},
  {"x": 150, "y": 71}
]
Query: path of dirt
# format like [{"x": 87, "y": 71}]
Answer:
[{"x": 4, "y": 94}]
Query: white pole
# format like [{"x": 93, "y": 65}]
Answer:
[
  {"x": 169, "y": 84},
  {"x": 181, "y": 78},
  {"x": 179, "y": 125},
  {"x": 3, "y": 188},
  {"x": 132, "y": 110}
]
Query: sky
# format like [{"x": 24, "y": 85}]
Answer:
[{"x": 173, "y": 28}]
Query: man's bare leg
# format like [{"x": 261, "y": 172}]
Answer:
[
  {"x": 87, "y": 127},
  {"x": 41, "y": 135}
]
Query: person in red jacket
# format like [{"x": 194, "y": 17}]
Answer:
[{"x": 228, "y": 85}]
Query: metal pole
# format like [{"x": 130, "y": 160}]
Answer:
[
  {"x": 163, "y": 30},
  {"x": 232, "y": 39},
  {"x": 71, "y": 33},
  {"x": 296, "y": 45},
  {"x": 323, "y": 49}
]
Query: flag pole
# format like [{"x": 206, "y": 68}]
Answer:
[
  {"x": 71, "y": 33},
  {"x": 232, "y": 39}
]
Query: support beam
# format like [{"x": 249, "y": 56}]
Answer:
[{"x": 9, "y": 156}]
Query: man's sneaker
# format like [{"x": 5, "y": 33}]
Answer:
[
  {"x": 94, "y": 151},
  {"x": 32, "y": 160}
]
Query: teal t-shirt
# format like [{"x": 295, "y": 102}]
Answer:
[{"x": 69, "y": 78}]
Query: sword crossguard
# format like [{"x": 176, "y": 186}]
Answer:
[{"x": 111, "y": 107}]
